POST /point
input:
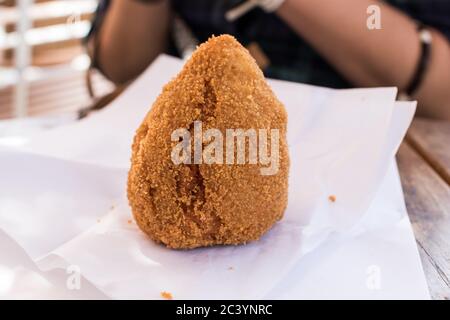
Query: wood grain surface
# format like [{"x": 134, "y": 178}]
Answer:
[
  {"x": 431, "y": 139},
  {"x": 427, "y": 198}
]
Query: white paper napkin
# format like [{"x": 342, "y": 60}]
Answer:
[{"x": 341, "y": 143}]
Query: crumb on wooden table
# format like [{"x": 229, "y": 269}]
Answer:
[
  {"x": 166, "y": 295},
  {"x": 332, "y": 198}
]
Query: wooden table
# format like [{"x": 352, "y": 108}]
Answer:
[{"x": 424, "y": 165}]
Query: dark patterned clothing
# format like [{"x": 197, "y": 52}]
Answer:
[{"x": 291, "y": 58}]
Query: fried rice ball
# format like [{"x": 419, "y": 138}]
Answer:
[{"x": 194, "y": 205}]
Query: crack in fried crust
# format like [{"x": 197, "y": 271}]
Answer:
[{"x": 188, "y": 206}]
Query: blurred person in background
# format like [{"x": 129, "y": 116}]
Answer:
[{"x": 321, "y": 42}]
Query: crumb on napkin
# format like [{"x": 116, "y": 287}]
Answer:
[
  {"x": 332, "y": 198},
  {"x": 166, "y": 295}
]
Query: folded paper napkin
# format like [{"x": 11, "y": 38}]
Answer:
[{"x": 63, "y": 196}]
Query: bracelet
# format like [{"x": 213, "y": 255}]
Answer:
[
  {"x": 149, "y": 1},
  {"x": 425, "y": 48},
  {"x": 270, "y": 5},
  {"x": 241, "y": 9}
]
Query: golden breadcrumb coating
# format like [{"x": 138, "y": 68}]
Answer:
[{"x": 195, "y": 205}]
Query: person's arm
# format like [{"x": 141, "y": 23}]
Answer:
[
  {"x": 131, "y": 36},
  {"x": 338, "y": 31}
]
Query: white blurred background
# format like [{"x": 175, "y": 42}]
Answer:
[{"x": 43, "y": 66}]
